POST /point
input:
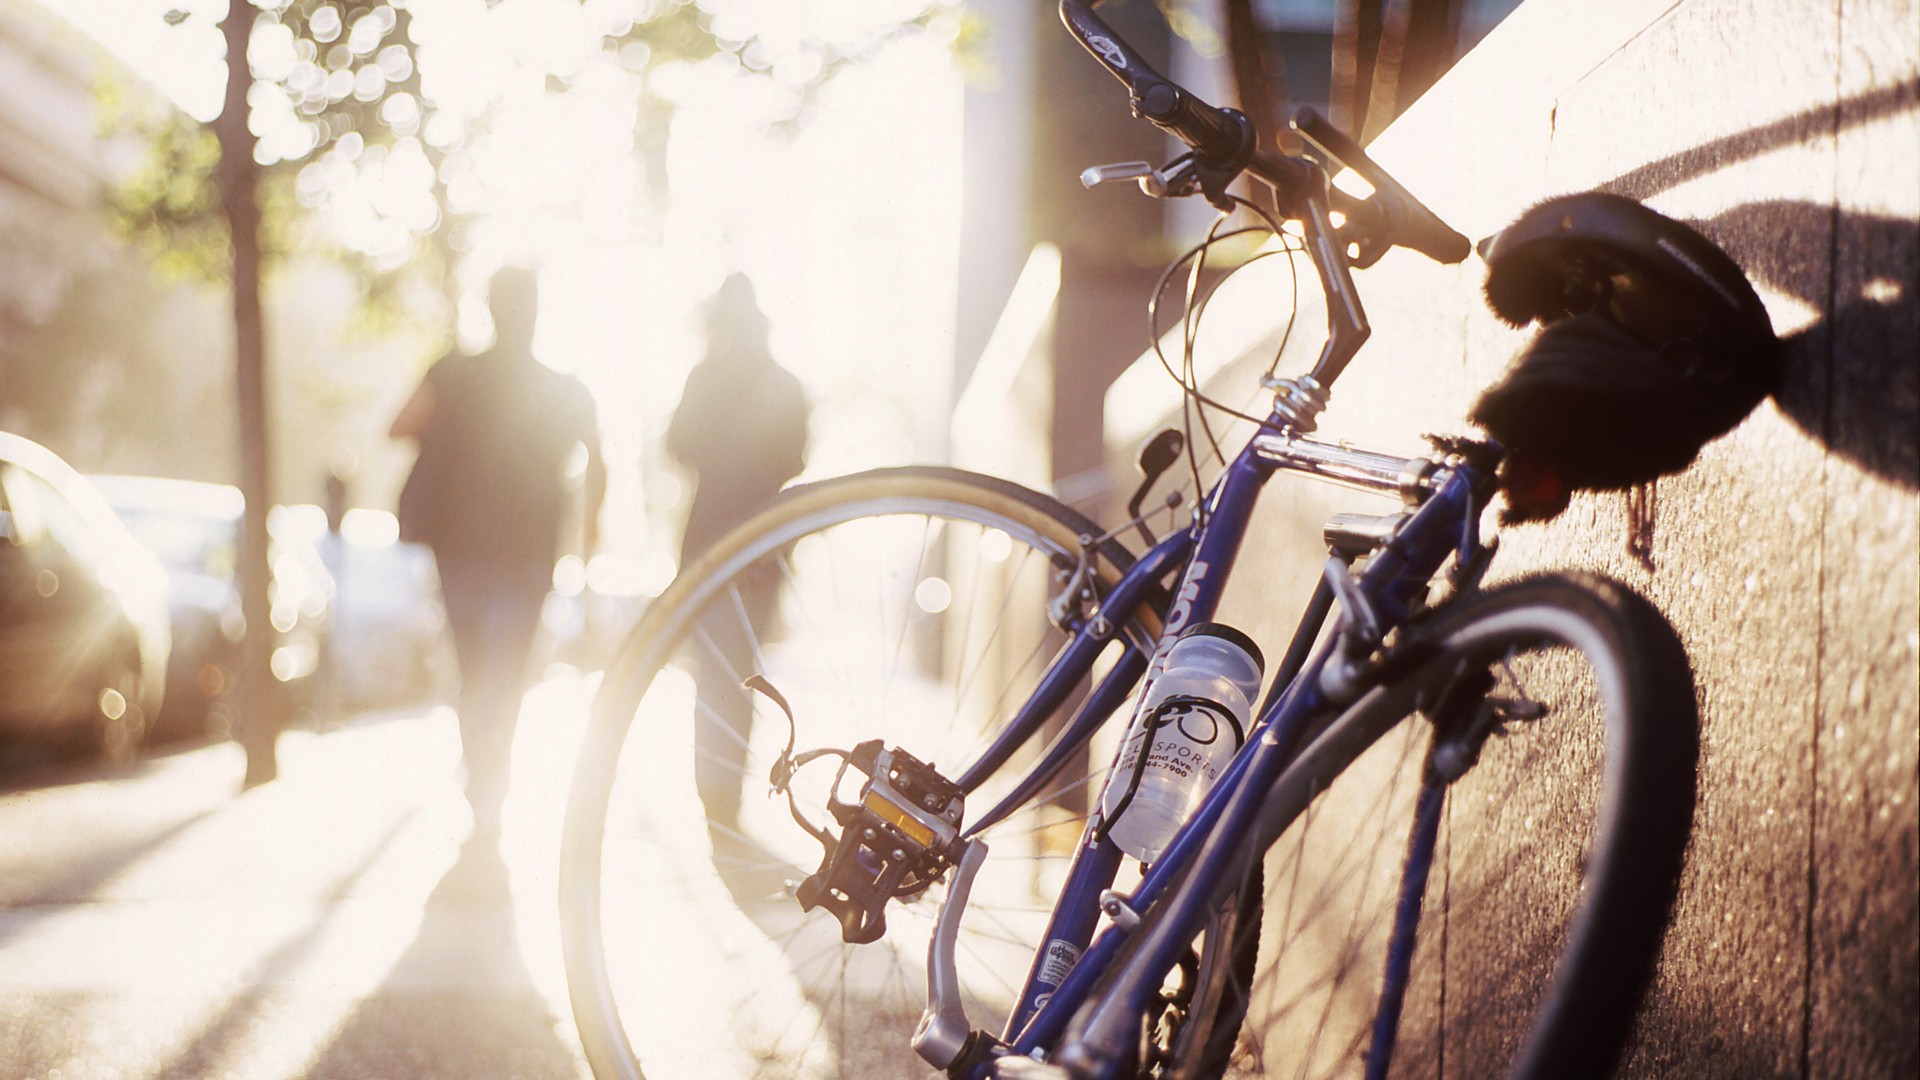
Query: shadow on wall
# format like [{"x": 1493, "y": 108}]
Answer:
[{"x": 1852, "y": 378}]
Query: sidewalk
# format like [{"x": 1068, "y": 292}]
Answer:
[{"x": 157, "y": 923}]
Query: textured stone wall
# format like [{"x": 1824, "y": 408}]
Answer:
[{"x": 1787, "y": 555}]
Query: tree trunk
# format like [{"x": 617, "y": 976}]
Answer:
[
  {"x": 1417, "y": 45},
  {"x": 1259, "y": 85},
  {"x": 258, "y": 722},
  {"x": 1356, "y": 44}
]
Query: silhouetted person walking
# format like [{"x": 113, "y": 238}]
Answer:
[
  {"x": 488, "y": 495},
  {"x": 741, "y": 427}
]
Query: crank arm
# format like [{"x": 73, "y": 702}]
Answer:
[{"x": 942, "y": 1035}]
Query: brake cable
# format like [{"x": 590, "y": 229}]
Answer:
[{"x": 780, "y": 776}]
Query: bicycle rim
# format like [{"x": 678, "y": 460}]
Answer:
[
  {"x": 1556, "y": 856},
  {"x": 906, "y": 605}
]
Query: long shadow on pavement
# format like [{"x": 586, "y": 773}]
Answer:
[
  {"x": 80, "y": 882},
  {"x": 233, "y": 1022},
  {"x": 460, "y": 1003}
]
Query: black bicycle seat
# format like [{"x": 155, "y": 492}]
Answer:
[
  {"x": 1653, "y": 341},
  {"x": 1535, "y": 266}
]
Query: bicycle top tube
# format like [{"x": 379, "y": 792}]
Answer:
[{"x": 1413, "y": 478}]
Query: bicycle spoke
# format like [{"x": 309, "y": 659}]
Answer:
[
  {"x": 967, "y": 948},
  {"x": 1053, "y": 799},
  {"x": 844, "y": 617},
  {"x": 927, "y": 534},
  {"x": 1000, "y": 834},
  {"x": 967, "y": 678},
  {"x": 802, "y": 601},
  {"x": 739, "y": 607}
]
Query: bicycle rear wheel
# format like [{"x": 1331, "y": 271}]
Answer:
[
  {"x": 907, "y": 605},
  {"x": 1555, "y": 741}
]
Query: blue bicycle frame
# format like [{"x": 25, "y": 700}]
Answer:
[{"x": 1445, "y": 497}]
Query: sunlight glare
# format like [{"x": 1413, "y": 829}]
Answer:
[
  {"x": 837, "y": 191},
  {"x": 933, "y": 595}
]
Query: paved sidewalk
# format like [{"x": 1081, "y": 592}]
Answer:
[{"x": 155, "y": 922}]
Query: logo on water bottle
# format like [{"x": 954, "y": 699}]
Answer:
[
  {"x": 1198, "y": 719},
  {"x": 1191, "y": 723}
]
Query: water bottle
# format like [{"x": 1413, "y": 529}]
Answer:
[{"x": 1191, "y": 721}]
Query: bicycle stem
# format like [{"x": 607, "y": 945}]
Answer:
[
  {"x": 1223, "y": 148},
  {"x": 1298, "y": 402}
]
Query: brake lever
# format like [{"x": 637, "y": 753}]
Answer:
[
  {"x": 1408, "y": 223},
  {"x": 1176, "y": 179},
  {"x": 1156, "y": 457}
]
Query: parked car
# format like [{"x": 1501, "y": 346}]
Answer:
[
  {"x": 84, "y": 636},
  {"x": 194, "y": 529}
]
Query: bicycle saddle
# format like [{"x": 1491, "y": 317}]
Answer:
[{"x": 1653, "y": 343}]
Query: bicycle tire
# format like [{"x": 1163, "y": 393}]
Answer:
[
  {"x": 1544, "y": 979},
  {"x": 1227, "y": 960},
  {"x": 814, "y": 536}
]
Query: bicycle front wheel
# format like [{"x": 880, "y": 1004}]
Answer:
[
  {"x": 1543, "y": 737},
  {"x": 906, "y": 605}
]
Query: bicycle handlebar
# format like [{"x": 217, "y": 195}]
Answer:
[
  {"x": 1219, "y": 137},
  {"x": 1224, "y": 148},
  {"x": 1222, "y": 141},
  {"x": 1418, "y": 228}
]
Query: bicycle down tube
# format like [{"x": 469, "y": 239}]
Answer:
[{"x": 1218, "y": 835}]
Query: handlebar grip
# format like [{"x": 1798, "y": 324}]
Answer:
[
  {"x": 1216, "y": 135},
  {"x": 1425, "y": 233},
  {"x": 1106, "y": 46},
  {"x": 1414, "y": 226}
]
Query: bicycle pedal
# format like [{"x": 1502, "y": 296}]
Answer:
[{"x": 893, "y": 841}]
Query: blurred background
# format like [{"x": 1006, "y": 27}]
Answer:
[
  {"x": 219, "y": 283},
  {"x": 898, "y": 178}
]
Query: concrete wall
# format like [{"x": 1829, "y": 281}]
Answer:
[{"x": 1786, "y": 556}]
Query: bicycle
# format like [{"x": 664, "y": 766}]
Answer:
[{"x": 889, "y": 649}]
